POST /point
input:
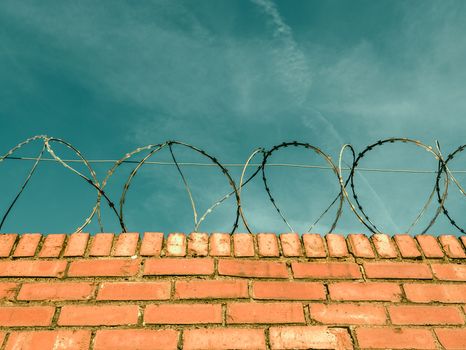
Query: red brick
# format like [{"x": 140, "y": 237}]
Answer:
[
  {"x": 7, "y": 240},
  {"x": 395, "y": 338},
  {"x": 2, "y": 337},
  {"x": 105, "y": 315},
  {"x": 265, "y": 313},
  {"x": 331, "y": 270},
  {"x": 370, "y": 291},
  {"x": 463, "y": 239},
  {"x": 429, "y": 246},
  {"x": 252, "y": 268},
  {"x": 449, "y": 272},
  {"x": 384, "y": 245},
  {"x": 291, "y": 244},
  {"x": 77, "y": 244},
  {"x": 426, "y": 293},
  {"x": 176, "y": 244},
  {"x": 56, "y": 291},
  {"x": 198, "y": 244},
  {"x": 452, "y": 246},
  {"x": 27, "y": 245},
  {"x": 8, "y": 290},
  {"x": 224, "y": 339},
  {"x": 348, "y": 314},
  {"x": 309, "y": 337},
  {"x": 288, "y": 290},
  {"x": 141, "y": 339},
  {"x": 424, "y": 315},
  {"x": 360, "y": 246},
  {"x": 107, "y": 267},
  {"x": 314, "y": 245},
  {"x": 407, "y": 246},
  {"x": 243, "y": 244},
  {"x": 220, "y": 244},
  {"x": 32, "y": 268},
  {"x": 397, "y": 270},
  {"x": 101, "y": 244},
  {"x": 126, "y": 244},
  {"x": 173, "y": 266},
  {"x": 49, "y": 340},
  {"x": 52, "y": 246},
  {"x": 336, "y": 245},
  {"x": 134, "y": 290},
  {"x": 268, "y": 244},
  {"x": 151, "y": 244},
  {"x": 11, "y": 316},
  {"x": 207, "y": 289},
  {"x": 452, "y": 338},
  {"x": 183, "y": 314}
]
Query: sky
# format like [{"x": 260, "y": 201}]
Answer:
[{"x": 229, "y": 77}]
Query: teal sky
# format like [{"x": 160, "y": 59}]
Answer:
[{"x": 230, "y": 76}]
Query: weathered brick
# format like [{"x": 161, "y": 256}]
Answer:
[
  {"x": 265, "y": 313},
  {"x": 452, "y": 246},
  {"x": 348, "y": 314},
  {"x": 76, "y": 245},
  {"x": 291, "y": 244},
  {"x": 224, "y": 339},
  {"x": 134, "y": 291},
  {"x": 56, "y": 291},
  {"x": 207, "y": 289},
  {"x": 220, "y": 244},
  {"x": 32, "y": 268},
  {"x": 360, "y": 246},
  {"x": 243, "y": 245},
  {"x": 8, "y": 290},
  {"x": 309, "y": 337},
  {"x": 288, "y": 290},
  {"x": 11, "y": 316},
  {"x": 452, "y": 338},
  {"x": 183, "y": 314},
  {"x": 424, "y": 315},
  {"x": 103, "y": 315},
  {"x": 151, "y": 244},
  {"x": 27, "y": 245},
  {"x": 370, "y": 291},
  {"x": 49, "y": 340},
  {"x": 7, "y": 240},
  {"x": 331, "y": 270},
  {"x": 336, "y": 245},
  {"x": 407, "y": 246},
  {"x": 198, "y": 244},
  {"x": 396, "y": 270},
  {"x": 384, "y": 245},
  {"x": 444, "y": 293},
  {"x": 107, "y": 267},
  {"x": 126, "y": 244},
  {"x": 429, "y": 246},
  {"x": 101, "y": 244},
  {"x": 52, "y": 246},
  {"x": 252, "y": 268},
  {"x": 395, "y": 338},
  {"x": 449, "y": 272},
  {"x": 267, "y": 244},
  {"x": 176, "y": 244},
  {"x": 141, "y": 339},
  {"x": 314, "y": 245},
  {"x": 173, "y": 266}
]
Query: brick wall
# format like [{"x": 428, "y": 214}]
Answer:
[{"x": 238, "y": 291}]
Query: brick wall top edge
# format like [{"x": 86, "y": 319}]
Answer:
[{"x": 239, "y": 245}]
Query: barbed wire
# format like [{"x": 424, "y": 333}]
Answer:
[{"x": 442, "y": 174}]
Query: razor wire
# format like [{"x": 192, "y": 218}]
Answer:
[{"x": 443, "y": 177}]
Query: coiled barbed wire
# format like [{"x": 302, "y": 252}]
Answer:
[{"x": 343, "y": 195}]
